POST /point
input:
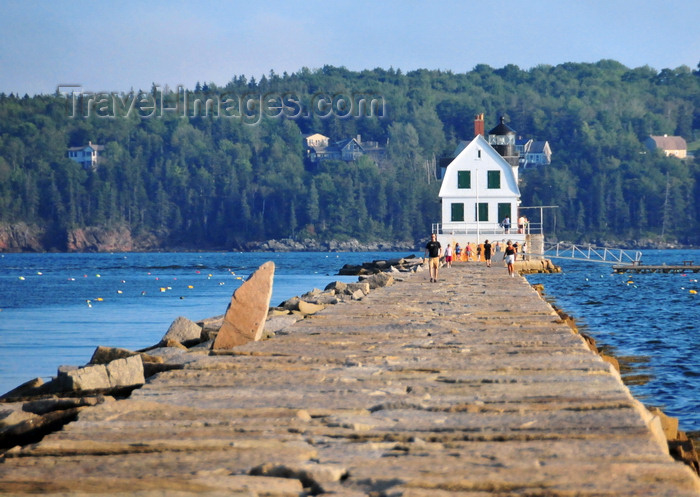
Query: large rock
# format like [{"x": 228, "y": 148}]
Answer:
[
  {"x": 291, "y": 304},
  {"x": 308, "y": 308},
  {"x": 352, "y": 288},
  {"x": 280, "y": 322},
  {"x": 27, "y": 389},
  {"x": 118, "y": 374},
  {"x": 325, "y": 298},
  {"x": 53, "y": 403},
  {"x": 184, "y": 331},
  {"x": 105, "y": 355},
  {"x": 336, "y": 286},
  {"x": 378, "y": 280},
  {"x": 536, "y": 266},
  {"x": 33, "y": 429},
  {"x": 245, "y": 317}
]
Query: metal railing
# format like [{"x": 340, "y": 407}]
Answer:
[
  {"x": 472, "y": 228},
  {"x": 566, "y": 250}
]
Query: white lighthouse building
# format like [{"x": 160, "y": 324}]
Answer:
[{"x": 480, "y": 191}]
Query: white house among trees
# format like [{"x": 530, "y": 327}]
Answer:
[{"x": 87, "y": 156}]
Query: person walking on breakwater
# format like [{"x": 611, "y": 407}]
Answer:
[
  {"x": 458, "y": 253},
  {"x": 448, "y": 255},
  {"x": 433, "y": 250},
  {"x": 509, "y": 257},
  {"x": 469, "y": 251},
  {"x": 487, "y": 253}
]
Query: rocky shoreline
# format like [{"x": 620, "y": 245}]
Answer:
[{"x": 21, "y": 237}]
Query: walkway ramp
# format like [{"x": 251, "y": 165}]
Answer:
[{"x": 470, "y": 387}]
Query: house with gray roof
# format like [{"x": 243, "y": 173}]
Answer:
[{"x": 671, "y": 146}]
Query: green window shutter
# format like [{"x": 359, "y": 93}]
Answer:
[
  {"x": 457, "y": 212},
  {"x": 494, "y": 179},
  {"x": 464, "y": 179},
  {"x": 504, "y": 212},
  {"x": 482, "y": 211}
]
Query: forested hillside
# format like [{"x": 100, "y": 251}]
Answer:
[{"x": 240, "y": 173}]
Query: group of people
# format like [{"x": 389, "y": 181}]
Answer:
[
  {"x": 433, "y": 250},
  {"x": 522, "y": 224}
]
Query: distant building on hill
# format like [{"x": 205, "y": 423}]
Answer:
[
  {"x": 319, "y": 148},
  {"x": 87, "y": 156},
  {"x": 533, "y": 153},
  {"x": 671, "y": 146},
  {"x": 316, "y": 140}
]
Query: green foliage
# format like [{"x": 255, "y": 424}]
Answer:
[{"x": 218, "y": 180}]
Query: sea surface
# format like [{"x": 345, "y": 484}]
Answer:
[{"x": 56, "y": 308}]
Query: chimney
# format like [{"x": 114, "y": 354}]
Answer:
[{"x": 479, "y": 125}]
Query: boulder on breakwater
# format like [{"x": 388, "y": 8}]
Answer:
[
  {"x": 36, "y": 408},
  {"x": 406, "y": 264},
  {"x": 536, "y": 266}
]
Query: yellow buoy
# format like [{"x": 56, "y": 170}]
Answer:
[{"x": 693, "y": 291}]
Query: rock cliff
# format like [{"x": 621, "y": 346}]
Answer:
[{"x": 20, "y": 238}]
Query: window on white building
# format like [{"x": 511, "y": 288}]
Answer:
[{"x": 457, "y": 214}]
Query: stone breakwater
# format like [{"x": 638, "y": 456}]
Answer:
[
  {"x": 35, "y": 408},
  {"x": 473, "y": 386}
]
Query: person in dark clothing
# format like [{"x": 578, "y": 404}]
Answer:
[
  {"x": 433, "y": 250},
  {"x": 487, "y": 253}
]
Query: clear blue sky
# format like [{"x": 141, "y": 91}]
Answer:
[{"x": 119, "y": 46}]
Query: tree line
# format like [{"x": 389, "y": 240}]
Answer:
[{"x": 198, "y": 178}]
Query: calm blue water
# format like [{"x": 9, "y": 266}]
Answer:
[
  {"x": 45, "y": 319},
  {"x": 652, "y": 319}
]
